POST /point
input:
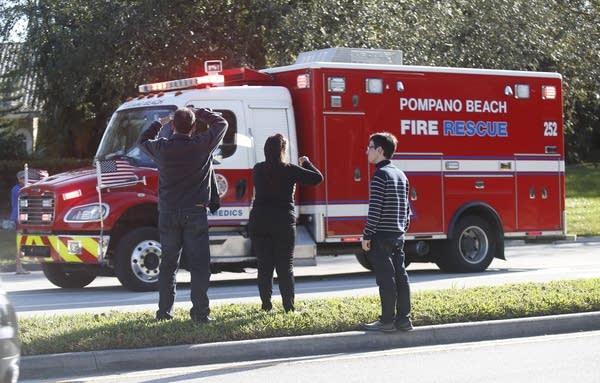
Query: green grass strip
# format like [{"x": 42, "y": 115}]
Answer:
[{"x": 119, "y": 330}]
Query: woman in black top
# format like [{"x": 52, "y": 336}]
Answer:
[{"x": 272, "y": 220}]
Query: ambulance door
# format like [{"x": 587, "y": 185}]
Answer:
[
  {"x": 346, "y": 173},
  {"x": 231, "y": 164},
  {"x": 424, "y": 172},
  {"x": 538, "y": 193},
  {"x": 266, "y": 120}
]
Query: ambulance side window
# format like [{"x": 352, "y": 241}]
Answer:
[{"x": 228, "y": 147}]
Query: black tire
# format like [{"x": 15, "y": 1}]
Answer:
[
  {"x": 364, "y": 261},
  {"x": 77, "y": 279},
  {"x": 472, "y": 247},
  {"x": 138, "y": 259}
]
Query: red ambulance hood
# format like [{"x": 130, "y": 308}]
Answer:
[
  {"x": 78, "y": 177},
  {"x": 83, "y": 179}
]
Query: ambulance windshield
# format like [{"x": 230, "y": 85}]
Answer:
[{"x": 124, "y": 128}]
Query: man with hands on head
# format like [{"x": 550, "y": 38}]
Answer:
[{"x": 184, "y": 163}]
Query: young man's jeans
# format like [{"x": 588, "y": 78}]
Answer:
[
  {"x": 185, "y": 230},
  {"x": 387, "y": 257}
]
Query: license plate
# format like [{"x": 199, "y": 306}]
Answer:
[{"x": 35, "y": 251}]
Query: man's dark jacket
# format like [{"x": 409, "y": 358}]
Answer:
[{"x": 184, "y": 162}]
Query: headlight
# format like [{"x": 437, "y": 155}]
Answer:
[{"x": 87, "y": 213}]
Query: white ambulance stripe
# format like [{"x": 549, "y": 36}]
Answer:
[
  {"x": 411, "y": 68},
  {"x": 434, "y": 165},
  {"x": 341, "y": 210},
  {"x": 537, "y": 233},
  {"x": 449, "y": 166},
  {"x": 484, "y": 175},
  {"x": 539, "y": 166},
  {"x": 230, "y": 213}
]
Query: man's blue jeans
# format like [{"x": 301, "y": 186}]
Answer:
[
  {"x": 184, "y": 230},
  {"x": 387, "y": 257}
]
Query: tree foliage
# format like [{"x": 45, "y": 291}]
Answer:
[
  {"x": 12, "y": 146},
  {"x": 92, "y": 54}
]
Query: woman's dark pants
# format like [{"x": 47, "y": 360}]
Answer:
[{"x": 273, "y": 245}]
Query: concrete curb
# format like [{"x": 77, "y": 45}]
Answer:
[{"x": 68, "y": 364}]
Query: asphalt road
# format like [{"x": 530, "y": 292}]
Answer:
[
  {"x": 545, "y": 359},
  {"x": 333, "y": 276}
]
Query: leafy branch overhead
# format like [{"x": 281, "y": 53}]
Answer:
[{"x": 92, "y": 55}]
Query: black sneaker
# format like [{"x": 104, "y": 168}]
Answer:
[
  {"x": 404, "y": 324},
  {"x": 202, "y": 319},
  {"x": 160, "y": 316},
  {"x": 378, "y": 326}
]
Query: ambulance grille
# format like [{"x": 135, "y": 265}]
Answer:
[{"x": 36, "y": 210}]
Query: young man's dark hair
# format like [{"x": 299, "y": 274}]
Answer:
[
  {"x": 385, "y": 141},
  {"x": 183, "y": 120}
]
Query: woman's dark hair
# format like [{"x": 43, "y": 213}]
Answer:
[{"x": 275, "y": 147}]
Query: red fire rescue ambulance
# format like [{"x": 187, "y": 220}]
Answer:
[{"x": 483, "y": 151}]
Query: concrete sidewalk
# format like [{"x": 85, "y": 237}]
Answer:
[{"x": 108, "y": 361}]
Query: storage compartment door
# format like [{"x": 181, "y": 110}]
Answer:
[
  {"x": 346, "y": 174},
  {"x": 538, "y": 194}
]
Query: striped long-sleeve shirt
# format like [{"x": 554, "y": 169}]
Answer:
[{"x": 389, "y": 210}]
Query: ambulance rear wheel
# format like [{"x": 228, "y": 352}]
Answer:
[
  {"x": 138, "y": 259},
  {"x": 60, "y": 277},
  {"x": 472, "y": 247}
]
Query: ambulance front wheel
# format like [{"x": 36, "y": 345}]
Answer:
[
  {"x": 471, "y": 248},
  {"x": 69, "y": 279},
  {"x": 138, "y": 259}
]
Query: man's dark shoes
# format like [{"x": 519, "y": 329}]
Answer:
[
  {"x": 163, "y": 316},
  {"x": 378, "y": 326},
  {"x": 202, "y": 319},
  {"x": 403, "y": 324}
]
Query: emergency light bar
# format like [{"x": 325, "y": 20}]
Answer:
[{"x": 192, "y": 82}]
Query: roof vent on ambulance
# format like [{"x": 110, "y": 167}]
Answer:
[{"x": 352, "y": 55}]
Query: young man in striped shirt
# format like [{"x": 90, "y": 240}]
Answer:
[{"x": 383, "y": 237}]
